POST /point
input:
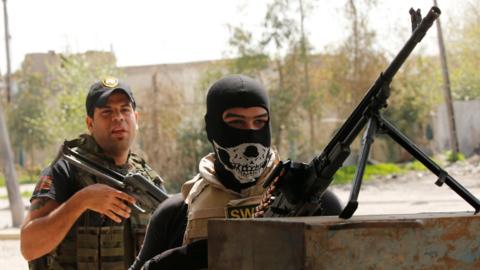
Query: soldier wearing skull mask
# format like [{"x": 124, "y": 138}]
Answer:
[{"x": 230, "y": 179}]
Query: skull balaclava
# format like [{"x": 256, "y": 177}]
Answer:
[{"x": 242, "y": 154}]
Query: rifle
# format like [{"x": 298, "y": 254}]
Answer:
[
  {"x": 300, "y": 198},
  {"x": 148, "y": 196}
]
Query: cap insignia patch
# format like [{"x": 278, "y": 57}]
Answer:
[{"x": 110, "y": 82}]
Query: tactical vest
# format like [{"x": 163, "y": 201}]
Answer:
[
  {"x": 96, "y": 242},
  {"x": 207, "y": 198}
]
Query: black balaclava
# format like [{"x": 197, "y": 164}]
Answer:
[{"x": 242, "y": 154}]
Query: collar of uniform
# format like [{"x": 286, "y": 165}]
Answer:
[
  {"x": 206, "y": 168},
  {"x": 90, "y": 145}
]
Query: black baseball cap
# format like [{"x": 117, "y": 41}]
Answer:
[{"x": 100, "y": 91}]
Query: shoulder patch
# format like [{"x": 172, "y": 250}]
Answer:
[{"x": 44, "y": 184}]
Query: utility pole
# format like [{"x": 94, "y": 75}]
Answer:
[
  {"x": 8, "y": 76},
  {"x": 447, "y": 92},
  {"x": 306, "y": 73},
  {"x": 6, "y": 155},
  {"x": 6, "y": 159}
]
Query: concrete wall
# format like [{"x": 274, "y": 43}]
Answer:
[
  {"x": 467, "y": 119},
  {"x": 184, "y": 77},
  {"x": 418, "y": 241}
]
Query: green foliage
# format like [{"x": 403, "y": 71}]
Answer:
[
  {"x": 28, "y": 118},
  {"x": 453, "y": 158},
  {"x": 346, "y": 174},
  {"x": 414, "y": 94},
  {"x": 280, "y": 27},
  {"x": 213, "y": 73},
  {"x": 383, "y": 169},
  {"x": 415, "y": 166},
  {"x": 25, "y": 194},
  {"x": 464, "y": 54},
  {"x": 279, "y": 57},
  {"x": 50, "y": 105},
  {"x": 23, "y": 177},
  {"x": 192, "y": 144},
  {"x": 72, "y": 80},
  {"x": 406, "y": 114},
  {"x": 251, "y": 59}
]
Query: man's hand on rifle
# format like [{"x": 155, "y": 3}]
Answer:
[{"x": 107, "y": 201}]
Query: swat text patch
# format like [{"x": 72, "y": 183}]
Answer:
[{"x": 245, "y": 211}]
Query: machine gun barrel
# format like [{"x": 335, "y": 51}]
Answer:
[
  {"x": 335, "y": 152},
  {"x": 384, "y": 78},
  {"x": 338, "y": 148}
]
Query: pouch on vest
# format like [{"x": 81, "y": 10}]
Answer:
[{"x": 100, "y": 248}]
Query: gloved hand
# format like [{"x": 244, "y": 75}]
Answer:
[
  {"x": 296, "y": 180},
  {"x": 291, "y": 182}
]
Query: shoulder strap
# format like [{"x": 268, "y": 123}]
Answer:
[{"x": 142, "y": 167}]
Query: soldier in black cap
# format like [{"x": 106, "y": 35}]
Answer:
[
  {"x": 230, "y": 179},
  {"x": 74, "y": 222}
]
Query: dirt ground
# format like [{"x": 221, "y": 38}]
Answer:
[{"x": 414, "y": 192}]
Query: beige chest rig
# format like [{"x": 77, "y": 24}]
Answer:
[
  {"x": 207, "y": 198},
  {"x": 95, "y": 242}
]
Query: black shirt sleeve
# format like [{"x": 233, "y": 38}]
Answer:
[
  {"x": 191, "y": 256},
  {"x": 56, "y": 182},
  {"x": 165, "y": 229}
]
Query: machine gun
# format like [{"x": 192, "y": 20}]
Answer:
[
  {"x": 294, "y": 188},
  {"x": 148, "y": 196}
]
